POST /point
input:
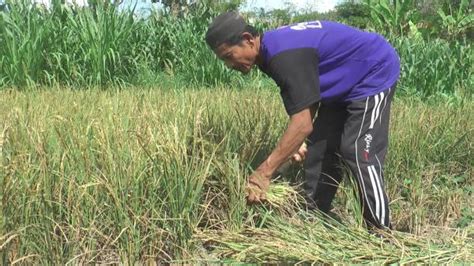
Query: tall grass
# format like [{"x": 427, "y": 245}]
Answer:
[
  {"x": 146, "y": 175},
  {"x": 436, "y": 67},
  {"x": 104, "y": 46}
]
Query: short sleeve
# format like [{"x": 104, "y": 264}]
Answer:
[{"x": 296, "y": 73}]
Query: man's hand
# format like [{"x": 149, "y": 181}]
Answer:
[
  {"x": 300, "y": 155},
  {"x": 299, "y": 128},
  {"x": 257, "y": 187}
]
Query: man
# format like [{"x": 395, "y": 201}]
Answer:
[{"x": 345, "y": 74}]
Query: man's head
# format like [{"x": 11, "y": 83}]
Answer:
[{"x": 234, "y": 41}]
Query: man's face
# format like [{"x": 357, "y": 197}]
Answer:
[{"x": 240, "y": 57}]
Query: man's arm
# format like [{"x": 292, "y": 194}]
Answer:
[
  {"x": 299, "y": 127},
  {"x": 296, "y": 73}
]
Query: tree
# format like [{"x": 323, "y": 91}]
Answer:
[
  {"x": 354, "y": 14},
  {"x": 105, "y": 3},
  {"x": 3, "y": 6},
  {"x": 176, "y": 6}
]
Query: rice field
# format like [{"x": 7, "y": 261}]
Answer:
[
  {"x": 124, "y": 140},
  {"x": 146, "y": 175}
]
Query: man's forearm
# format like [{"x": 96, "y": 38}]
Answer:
[{"x": 298, "y": 129}]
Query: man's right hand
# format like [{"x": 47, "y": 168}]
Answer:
[{"x": 300, "y": 155}]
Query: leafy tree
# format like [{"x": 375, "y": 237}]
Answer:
[
  {"x": 458, "y": 21},
  {"x": 223, "y": 5},
  {"x": 105, "y": 3},
  {"x": 354, "y": 14},
  {"x": 3, "y": 6},
  {"x": 176, "y": 6},
  {"x": 330, "y": 15},
  {"x": 392, "y": 16},
  {"x": 280, "y": 16}
]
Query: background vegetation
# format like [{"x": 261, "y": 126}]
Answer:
[{"x": 102, "y": 46}]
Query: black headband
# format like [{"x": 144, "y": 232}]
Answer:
[{"x": 224, "y": 27}]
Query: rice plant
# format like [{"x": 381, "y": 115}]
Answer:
[{"x": 144, "y": 175}]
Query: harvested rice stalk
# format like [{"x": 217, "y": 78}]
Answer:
[
  {"x": 282, "y": 194},
  {"x": 301, "y": 240}
]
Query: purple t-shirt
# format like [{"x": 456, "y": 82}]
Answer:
[{"x": 328, "y": 62}]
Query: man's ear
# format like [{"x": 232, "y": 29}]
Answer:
[{"x": 248, "y": 37}]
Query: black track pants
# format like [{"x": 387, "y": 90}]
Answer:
[{"x": 358, "y": 134}]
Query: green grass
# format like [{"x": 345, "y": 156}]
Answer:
[
  {"x": 78, "y": 47},
  {"x": 142, "y": 175}
]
